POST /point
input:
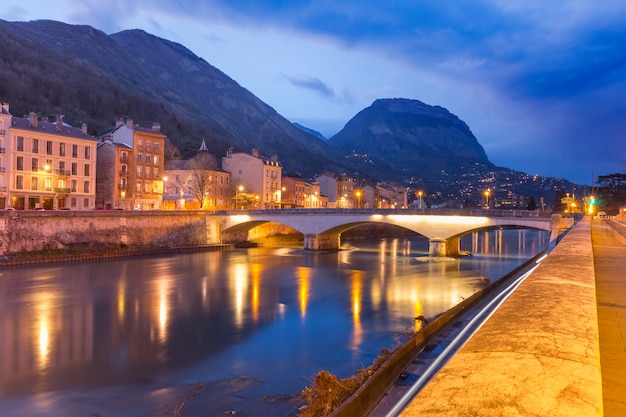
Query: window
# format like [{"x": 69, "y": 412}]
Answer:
[
  {"x": 87, "y": 170},
  {"x": 156, "y": 172},
  {"x": 19, "y": 165},
  {"x": 74, "y": 168},
  {"x": 139, "y": 171},
  {"x": 34, "y": 183},
  {"x": 138, "y": 185},
  {"x": 61, "y": 167},
  {"x": 85, "y": 202},
  {"x": 155, "y": 188},
  {"x": 62, "y": 149},
  {"x": 86, "y": 186},
  {"x": 155, "y": 158},
  {"x": 73, "y": 186},
  {"x": 147, "y": 186},
  {"x": 156, "y": 147},
  {"x": 147, "y": 159},
  {"x": 20, "y": 143},
  {"x": 74, "y": 151},
  {"x": 87, "y": 152},
  {"x": 19, "y": 182},
  {"x": 148, "y": 172},
  {"x": 73, "y": 202},
  {"x": 35, "y": 146},
  {"x": 48, "y": 184},
  {"x": 48, "y": 147},
  {"x": 35, "y": 164},
  {"x": 140, "y": 158}
]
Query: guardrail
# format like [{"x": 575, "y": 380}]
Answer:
[{"x": 427, "y": 211}]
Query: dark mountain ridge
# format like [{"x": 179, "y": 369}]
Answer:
[
  {"x": 150, "y": 79},
  {"x": 399, "y": 133}
]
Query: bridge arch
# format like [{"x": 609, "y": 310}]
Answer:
[{"x": 322, "y": 228}]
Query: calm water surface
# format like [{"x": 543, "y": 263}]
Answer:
[{"x": 208, "y": 333}]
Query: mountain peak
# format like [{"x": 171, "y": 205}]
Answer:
[{"x": 403, "y": 132}]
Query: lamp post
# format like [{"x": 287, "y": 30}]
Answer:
[
  {"x": 238, "y": 190},
  {"x": 487, "y": 192},
  {"x": 358, "y": 199},
  {"x": 420, "y": 193}
]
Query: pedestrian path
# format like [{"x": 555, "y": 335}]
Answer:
[
  {"x": 538, "y": 355},
  {"x": 609, "y": 253}
]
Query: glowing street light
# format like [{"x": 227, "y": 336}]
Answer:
[
  {"x": 487, "y": 192},
  {"x": 358, "y": 199},
  {"x": 420, "y": 193},
  {"x": 237, "y": 191}
]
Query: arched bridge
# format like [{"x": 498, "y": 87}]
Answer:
[{"x": 322, "y": 228}]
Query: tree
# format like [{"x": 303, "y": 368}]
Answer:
[
  {"x": 532, "y": 204},
  {"x": 200, "y": 183}
]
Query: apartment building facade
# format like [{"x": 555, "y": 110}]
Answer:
[
  {"x": 255, "y": 175},
  {"x": 46, "y": 165},
  {"x": 144, "y": 178}
]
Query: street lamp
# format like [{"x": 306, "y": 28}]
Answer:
[
  {"x": 487, "y": 192},
  {"x": 358, "y": 199},
  {"x": 237, "y": 191},
  {"x": 420, "y": 193}
]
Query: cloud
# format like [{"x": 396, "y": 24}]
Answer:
[{"x": 311, "y": 83}]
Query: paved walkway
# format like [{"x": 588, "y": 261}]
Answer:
[
  {"x": 538, "y": 355},
  {"x": 609, "y": 253}
]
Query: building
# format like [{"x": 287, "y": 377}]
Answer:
[
  {"x": 46, "y": 165},
  {"x": 297, "y": 192},
  {"x": 256, "y": 180},
  {"x": 114, "y": 176},
  {"x": 143, "y": 178},
  {"x": 339, "y": 189},
  {"x": 292, "y": 192},
  {"x": 197, "y": 184}
]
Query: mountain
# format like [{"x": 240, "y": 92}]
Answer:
[
  {"x": 91, "y": 77},
  {"x": 392, "y": 135},
  {"x": 309, "y": 130}
]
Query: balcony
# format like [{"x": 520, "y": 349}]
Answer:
[
  {"x": 124, "y": 173},
  {"x": 124, "y": 159},
  {"x": 62, "y": 190},
  {"x": 123, "y": 187}
]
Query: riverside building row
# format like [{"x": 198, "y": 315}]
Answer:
[{"x": 53, "y": 166}]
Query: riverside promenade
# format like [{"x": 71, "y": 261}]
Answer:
[{"x": 539, "y": 354}]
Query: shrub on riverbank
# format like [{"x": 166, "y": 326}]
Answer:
[{"x": 327, "y": 392}]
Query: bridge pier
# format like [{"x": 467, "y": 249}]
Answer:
[
  {"x": 322, "y": 241},
  {"x": 439, "y": 247}
]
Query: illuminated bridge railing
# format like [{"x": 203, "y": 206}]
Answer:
[{"x": 356, "y": 212}]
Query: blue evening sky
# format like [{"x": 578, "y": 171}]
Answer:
[{"x": 542, "y": 84}]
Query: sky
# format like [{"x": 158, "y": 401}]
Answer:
[{"x": 541, "y": 84}]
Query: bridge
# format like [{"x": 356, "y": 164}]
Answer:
[{"x": 322, "y": 228}]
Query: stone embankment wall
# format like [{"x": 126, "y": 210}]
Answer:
[{"x": 40, "y": 230}]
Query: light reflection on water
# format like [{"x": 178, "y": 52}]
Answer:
[{"x": 105, "y": 338}]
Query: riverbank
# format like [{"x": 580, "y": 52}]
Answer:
[{"x": 97, "y": 252}]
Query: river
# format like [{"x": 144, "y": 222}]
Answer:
[{"x": 219, "y": 333}]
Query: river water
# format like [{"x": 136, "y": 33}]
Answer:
[{"x": 218, "y": 333}]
